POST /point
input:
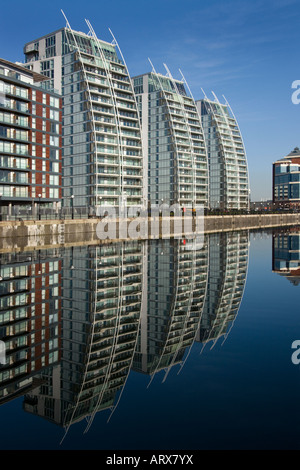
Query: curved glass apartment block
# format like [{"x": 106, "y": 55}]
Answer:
[
  {"x": 175, "y": 160},
  {"x": 228, "y": 171},
  {"x": 102, "y": 151}
]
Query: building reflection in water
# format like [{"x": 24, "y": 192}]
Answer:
[
  {"x": 286, "y": 255},
  {"x": 228, "y": 265},
  {"x": 101, "y": 304},
  {"x": 30, "y": 319},
  {"x": 176, "y": 286},
  {"x": 77, "y": 320}
]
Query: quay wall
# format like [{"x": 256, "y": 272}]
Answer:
[{"x": 39, "y": 233}]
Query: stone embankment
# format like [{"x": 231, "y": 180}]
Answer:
[{"x": 18, "y": 235}]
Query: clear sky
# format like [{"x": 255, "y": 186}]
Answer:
[{"x": 246, "y": 50}]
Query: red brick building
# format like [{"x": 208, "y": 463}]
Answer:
[{"x": 30, "y": 143}]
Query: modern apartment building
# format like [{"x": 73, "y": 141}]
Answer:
[
  {"x": 286, "y": 181},
  {"x": 175, "y": 160},
  {"x": 102, "y": 151},
  {"x": 30, "y": 141},
  {"x": 228, "y": 172}
]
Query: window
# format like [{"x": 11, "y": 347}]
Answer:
[
  {"x": 54, "y": 102},
  {"x": 54, "y": 115},
  {"x": 54, "y": 141},
  {"x": 54, "y": 167},
  {"x": 54, "y": 154},
  {"x": 50, "y": 46}
]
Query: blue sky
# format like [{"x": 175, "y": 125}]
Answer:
[{"x": 247, "y": 51}]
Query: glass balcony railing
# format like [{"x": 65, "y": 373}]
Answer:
[
  {"x": 13, "y": 119},
  {"x": 17, "y": 163},
  {"x": 10, "y": 191},
  {"x": 19, "y": 149},
  {"x": 14, "y": 179}
]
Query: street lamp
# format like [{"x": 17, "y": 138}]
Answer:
[
  {"x": 72, "y": 199},
  {"x": 39, "y": 206}
]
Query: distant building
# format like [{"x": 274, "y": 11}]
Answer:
[
  {"x": 286, "y": 181},
  {"x": 30, "y": 141},
  {"x": 228, "y": 171}
]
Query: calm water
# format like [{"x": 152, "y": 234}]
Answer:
[{"x": 159, "y": 345}]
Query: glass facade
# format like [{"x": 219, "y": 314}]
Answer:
[
  {"x": 175, "y": 162},
  {"x": 102, "y": 151},
  {"x": 228, "y": 173}
]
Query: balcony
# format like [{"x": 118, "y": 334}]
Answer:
[{"x": 31, "y": 48}]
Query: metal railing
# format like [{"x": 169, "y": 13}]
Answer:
[{"x": 42, "y": 213}]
